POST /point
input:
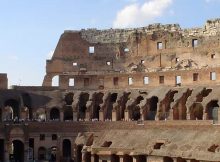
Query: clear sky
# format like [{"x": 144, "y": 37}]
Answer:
[{"x": 30, "y": 29}]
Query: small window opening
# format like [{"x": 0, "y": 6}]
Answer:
[
  {"x": 75, "y": 64},
  {"x": 42, "y": 137},
  {"x": 161, "y": 79},
  {"x": 130, "y": 81},
  {"x": 115, "y": 81},
  {"x": 213, "y": 56},
  {"x": 159, "y": 45},
  {"x": 146, "y": 80},
  {"x": 108, "y": 63},
  {"x": 195, "y": 77},
  {"x": 54, "y": 137},
  {"x": 194, "y": 43},
  {"x": 158, "y": 145},
  {"x": 178, "y": 80},
  {"x": 213, "y": 148},
  {"x": 126, "y": 50},
  {"x": 212, "y": 76},
  {"x": 71, "y": 82},
  {"x": 91, "y": 49},
  {"x": 107, "y": 144}
]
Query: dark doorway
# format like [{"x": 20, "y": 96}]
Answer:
[
  {"x": 152, "y": 108},
  {"x": 15, "y": 107},
  {"x": 79, "y": 153},
  {"x": 42, "y": 153},
  {"x": 167, "y": 159},
  {"x": 69, "y": 98},
  {"x": 66, "y": 149},
  {"x": 18, "y": 152},
  {"x": 128, "y": 158},
  {"x": 2, "y": 150},
  {"x": 209, "y": 109},
  {"x": 68, "y": 113},
  {"x": 84, "y": 97},
  {"x": 54, "y": 114},
  {"x": 27, "y": 103}
]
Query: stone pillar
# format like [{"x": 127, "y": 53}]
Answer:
[
  {"x": 87, "y": 115},
  {"x": 7, "y": 146},
  {"x": 126, "y": 115},
  {"x": 170, "y": 117},
  {"x": 61, "y": 116},
  {"x": 114, "y": 117},
  {"x": 26, "y": 150},
  {"x": 101, "y": 115},
  {"x": 75, "y": 115},
  {"x": 204, "y": 116},
  {"x": 188, "y": 116},
  {"x": 121, "y": 159},
  {"x": 135, "y": 159},
  {"x": 174, "y": 159}
]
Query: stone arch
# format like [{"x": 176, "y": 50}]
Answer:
[
  {"x": 55, "y": 81},
  {"x": 69, "y": 98},
  {"x": 83, "y": 99},
  {"x": 209, "y": 109},
  {"x": 135, "y": 113},
  {"x": 15, "y": 105},
  {"x": 109, "y": 106},
  {"x": 98, "y": 99},
  {"x": 122, "y": 105},
  {"x": 55, "y": 113},
  {"x": 67, "y": 149},
  {"x": 42, "y": 152},
  {"x": 17, "y": 149},
  {"x": 196, "y": 111},
  {"x": 27, "y": 102},
  {"x": 151, "y": 111}
]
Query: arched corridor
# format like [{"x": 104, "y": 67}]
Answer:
[
  {"x": 209, "y": 109},
  {"x": 14, "y": 104},
  {"x": 83, "y": 99},
  {"x": 67, "y": 149},
  {"x": 18, "y": 151},
  {"x": 55, "y": 114},
  {"x": 42, "y": 151}
]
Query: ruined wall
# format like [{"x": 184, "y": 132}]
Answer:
[
  {"x": 95, "y": 53},
  {"x": 3, "y": 81}
]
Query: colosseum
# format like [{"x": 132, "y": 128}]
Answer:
[{"x": 148, "y": 94}]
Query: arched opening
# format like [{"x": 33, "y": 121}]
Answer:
[
  {"x": 27, "y": 104},
  {"x": 152, "y": 110},
  {"x": 167, "y": 159},
  {"x": 204, "y": 93},
  {"x": 196, "y": 111},
  {"x": 83, "y": 99},
  {"x": 88, "y": 157},
  {"x": 68, "y": 113},
  {"x": 42, "y": 151},
  {"x": 55, "y": 81},
  {"x": 41, "y": 114},
  {"x": 128, "y": 158},
  {"x": 69, "y": 98},
  {"x": 141, "y": 158},
  {"x": 109, "y": 106},
  {"x": 122, "y": 106},
  {"x": 2, "y": 150},
  {"x": 136, "y": 114},
  {"x": 17, "y": 151},
  {"x": 79, "y": 153},
  {"x": 54, "y": 114},
  {"x": 115, "y": 158},
  {"x": 67, "y": 149},
  {"x": 209, "y": 109},
  {"x": 180, "y": 160},
  {"x": 96, "y": 108},
  {"x": 53, "y": 154},
  {"x": 14, "y": 104}
]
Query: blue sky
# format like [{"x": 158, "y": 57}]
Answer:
[{"x": 30, "y": 29}]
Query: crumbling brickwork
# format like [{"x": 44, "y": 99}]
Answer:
[{"x": 148, "y": 94}]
